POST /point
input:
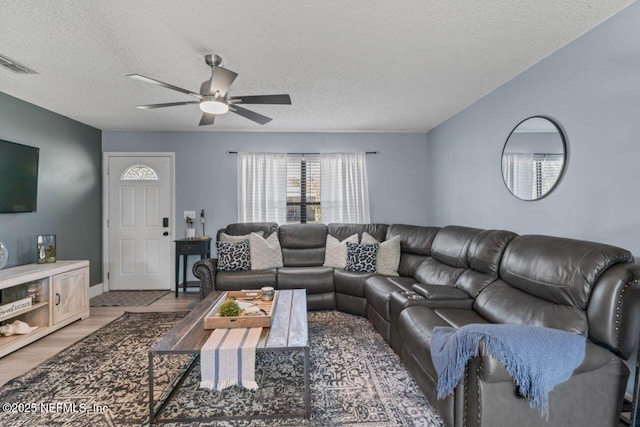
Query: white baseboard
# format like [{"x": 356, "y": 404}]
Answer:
[{"x": 96, "y": 290}]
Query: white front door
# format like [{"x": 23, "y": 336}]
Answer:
[{"x": 139, "y": 221}]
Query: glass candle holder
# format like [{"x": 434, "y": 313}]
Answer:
[{"x": 46, "y": 248}]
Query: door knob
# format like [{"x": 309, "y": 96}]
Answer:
[{"x": 166, "y": 233}]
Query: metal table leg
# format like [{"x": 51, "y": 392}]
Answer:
[
  {"x": 151, "y": 405},
  {"x": 307, "y": 393}
]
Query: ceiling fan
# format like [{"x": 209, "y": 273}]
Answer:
[{"x": 214, "y": 99}]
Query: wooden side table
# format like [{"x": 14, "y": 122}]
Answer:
[{"x": 186, "y": 247}]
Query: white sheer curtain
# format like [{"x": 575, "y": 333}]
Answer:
[
  {"x": 262, "y": 187},
  {"x": 517, "y": 170},
  {"x": 344, "y": 189}
]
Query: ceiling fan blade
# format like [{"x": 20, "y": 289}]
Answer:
[
  {"x": 168, "y": 104},
  {"x": 221, "y": 80},
  {"x": 207, "y": 119},
  {"x": 163, "y": 84},
  {"x": 262, "y": 99},
  {"x": 248, "y": 114}
]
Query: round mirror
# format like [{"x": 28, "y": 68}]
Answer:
[{"x": 533, "y": 158}]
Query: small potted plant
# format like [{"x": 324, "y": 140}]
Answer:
[{"x": 191, "y": 232}]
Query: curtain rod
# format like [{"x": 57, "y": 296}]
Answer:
[{"x": 307, "y": 154}]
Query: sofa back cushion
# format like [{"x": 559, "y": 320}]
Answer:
[
  {"x": 559, "y": 270},
  {"x": 303, "y": 245},
  {"x": 449, "y": 256},
  {"x": 343, "y": 230},
  {"x": 415, "y": 244},
  {"x": 484, "y": 256},
  {"x": 501, "y": 303},
  {"x": 239, "y": 229}
]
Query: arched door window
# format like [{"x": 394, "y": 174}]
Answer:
[{"x": 139, "y": 172}]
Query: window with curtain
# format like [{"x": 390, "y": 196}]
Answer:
[
  {"x": 262, "y": 187},
  {"x": 345, "y": 191},
  {"x": 303, "y": 189},
  {"x": 312, "y": 188},
  {"x": 530, "y": 176}
]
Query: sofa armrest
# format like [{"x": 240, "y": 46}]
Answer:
[
  {"x": 205, "y": 270},
  {"x": 440, "y": 292},
  {"x": 493, "y": 371},
  {"x": 491, "y": 395},
  {"x": 440, "y": 296}
]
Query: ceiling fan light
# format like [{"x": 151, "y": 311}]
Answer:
[{"x": 214, "y": 107}]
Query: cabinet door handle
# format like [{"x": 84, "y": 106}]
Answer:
[{"x": 57, "y": 299}]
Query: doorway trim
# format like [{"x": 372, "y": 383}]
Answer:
[{"x": 106, "y": 155}]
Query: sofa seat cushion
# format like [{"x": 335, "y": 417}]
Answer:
[
  {"x": 316, "y": 280},
  {"x": 250, "y": 279},
  {"x": 350, "y": 282}
]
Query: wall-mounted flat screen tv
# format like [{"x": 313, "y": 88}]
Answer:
[{"x": 18, "y": 177}]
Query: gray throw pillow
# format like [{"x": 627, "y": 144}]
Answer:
[
  {"x": 234, "y": 256},
  {"x": 361, "y": 258}
]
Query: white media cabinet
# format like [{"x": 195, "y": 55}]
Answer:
[{"x": 64, "y": 298}]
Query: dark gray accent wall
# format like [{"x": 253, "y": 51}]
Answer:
[
  {"x": 206, "y": 174},
  {"x": 591, "y": 87},
  {"x": 69, "y": 186}
]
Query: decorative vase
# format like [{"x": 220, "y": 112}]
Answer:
[
  {"x": 46, "y": 248},
  {"x": 191, "y": 233}
]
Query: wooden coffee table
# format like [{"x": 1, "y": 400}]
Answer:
[{"x": 288, "y": 332}]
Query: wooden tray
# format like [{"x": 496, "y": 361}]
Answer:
[{"x": 214, "y": 321}]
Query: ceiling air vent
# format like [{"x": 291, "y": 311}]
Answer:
[{"x": 14, "y": 66}]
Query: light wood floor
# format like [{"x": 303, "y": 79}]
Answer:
[{"x": 21, "y": 361}]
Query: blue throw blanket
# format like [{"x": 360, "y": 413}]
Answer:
[{"x": 536, "y": 358}]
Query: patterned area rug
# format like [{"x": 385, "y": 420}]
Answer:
[
  {"x": 126, "y": 298},
  {"x": 356, "y": 380}
]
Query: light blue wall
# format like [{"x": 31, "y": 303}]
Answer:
[
  {"x": 69, "y": 186},
  {"x": 592, "y": 88},
  {"x": 206, "y": 174}
]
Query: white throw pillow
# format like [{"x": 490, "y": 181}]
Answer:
[
  {"x": 224, "y": 237},
  {"x": 335, "y": 254},
  {"x": 265, "y": 253},
  {"x": 388, "y": 257}
]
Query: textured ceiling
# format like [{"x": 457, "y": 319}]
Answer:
[{"x": 360, "y": 65}]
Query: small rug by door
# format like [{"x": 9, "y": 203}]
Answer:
[
  {"x": 126, "y": 298},
  {"x": 356, "y": 380}
]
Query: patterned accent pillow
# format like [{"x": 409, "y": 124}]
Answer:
[
  {"x": 388, "y": 257},
  {"x": 233, "y": 256},
  {"x": 265, "y": 253},
  {"x": 361, "y": 258},
  {"x": 335, "y": 254}
]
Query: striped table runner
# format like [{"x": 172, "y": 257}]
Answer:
[{"x": 229, "y": 358}]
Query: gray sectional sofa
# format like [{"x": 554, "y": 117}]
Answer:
[{"x": 453, "y": 276}]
